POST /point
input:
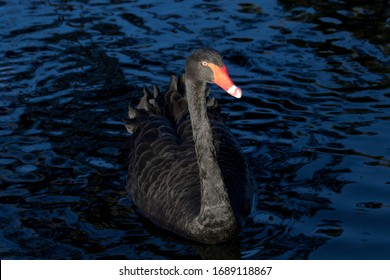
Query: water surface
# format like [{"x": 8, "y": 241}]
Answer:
[{"x": 314, "y": 122}]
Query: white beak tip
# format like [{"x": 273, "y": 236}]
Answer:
[{"x": 235, "y": 91}]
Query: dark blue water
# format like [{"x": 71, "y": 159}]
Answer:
[{"x": 314, "y": 121}]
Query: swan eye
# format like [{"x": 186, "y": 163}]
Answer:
[{"x": 204, "y": 63}]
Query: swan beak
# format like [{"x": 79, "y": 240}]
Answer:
[{"x": 222, "y": 79}]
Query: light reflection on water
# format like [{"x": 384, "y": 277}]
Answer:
[{"x": 314, "y": 122}]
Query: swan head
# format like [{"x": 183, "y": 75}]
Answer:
[{"x": 206, "y": 65}]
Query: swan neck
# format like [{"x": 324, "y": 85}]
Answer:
[{"x": 214, "y": 197}]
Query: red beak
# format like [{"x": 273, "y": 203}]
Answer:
[{"x": 222, "y": 79}]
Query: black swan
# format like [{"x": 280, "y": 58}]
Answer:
[{"x": 187, "y": 173}]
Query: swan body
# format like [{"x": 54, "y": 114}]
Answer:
[{"x": 187, "y": 173}]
